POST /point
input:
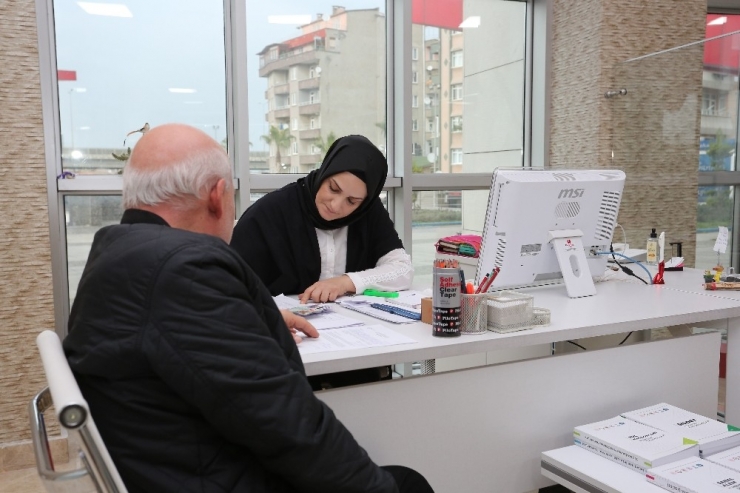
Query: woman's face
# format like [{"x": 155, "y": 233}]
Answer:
[{"x": 340, "y": 195}]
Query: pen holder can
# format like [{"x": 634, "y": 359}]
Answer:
[
  {"x": 474, "y": 313},
  {"x": 446, "y": 302},
  {"x": 509, "y": 311}
]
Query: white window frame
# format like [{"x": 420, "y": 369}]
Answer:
[
  {"x": 414, "y": 125},
  {"x": 456, "y": 92},
  {"x": 456, "y": 59},
  {"x": 456, "y": 156}
]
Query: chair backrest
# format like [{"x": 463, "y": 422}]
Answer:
[{"x": 74, "y": 415}]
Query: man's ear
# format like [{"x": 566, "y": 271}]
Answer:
[{"x": 216, "y": 198}]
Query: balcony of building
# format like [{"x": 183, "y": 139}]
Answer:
[
  {"x": 309, "y": 161},
  {"x": 282, "y": 112},
  {"x": 281, "y": 88},
  {"x": 309, "y": 108},
  {"x": 285, "y": 61},
  {"x": 310, "y": 133},
  {"x": 312, "y": 83},
  {"x": 713, "y": 124}
]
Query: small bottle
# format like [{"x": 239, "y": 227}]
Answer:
[{"x": 652, "y": 248}]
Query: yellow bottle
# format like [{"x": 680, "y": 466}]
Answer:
[{"x": 652, "y": 248}]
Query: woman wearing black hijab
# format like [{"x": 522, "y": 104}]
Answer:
[{"x": 327, "y": 234}]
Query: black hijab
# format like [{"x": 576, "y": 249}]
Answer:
[
  {"x": 360, "y": 157},
  {"x": 276, "y": 236}
]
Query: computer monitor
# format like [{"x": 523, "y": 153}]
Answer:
[{"x": 544, "y": 226}]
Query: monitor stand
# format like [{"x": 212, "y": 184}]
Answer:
[{"x": 572, "y": 259}]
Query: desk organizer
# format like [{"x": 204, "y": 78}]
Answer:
[
  {"x": 474, "y": 313},
  {"x": 509, "y": 311}
]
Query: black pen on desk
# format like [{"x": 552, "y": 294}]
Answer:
[{"x": 462, "y": 281}]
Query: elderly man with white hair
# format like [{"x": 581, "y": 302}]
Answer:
[{"x": 186, "y": 363}]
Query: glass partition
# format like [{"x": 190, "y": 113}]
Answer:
[{"x": 673, "y": 117}]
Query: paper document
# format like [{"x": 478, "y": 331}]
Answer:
[
  {"x": 322, "y": 321},
  {"x": 284, "y": 302},
  {"x": 332, "y": 321},
  {"x": 360, "y": 337},
  {"x": 721, "y": 244}
]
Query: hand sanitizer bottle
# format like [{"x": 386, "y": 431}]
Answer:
[{"x": 652, "y": 248}]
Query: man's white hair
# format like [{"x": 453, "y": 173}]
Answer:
[{"x": 179, "y": 183}]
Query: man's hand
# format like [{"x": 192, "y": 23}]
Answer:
[
  {"x": 296, "y": 323},
  {"x": 328, "y": 289}
]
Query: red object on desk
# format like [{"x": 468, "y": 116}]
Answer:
[
  {"x": 658, "y": 279},
  {"x": 484, "y": 287}
]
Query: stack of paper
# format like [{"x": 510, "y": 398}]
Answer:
[
  {"x": 695, "y": 475},
  {"x": 632, "y": 444},
  {"x": 338, "y": 332},
  {"x": 711, "y": 435}
]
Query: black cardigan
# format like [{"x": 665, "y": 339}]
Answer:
[{"x": 278, "y": 241}]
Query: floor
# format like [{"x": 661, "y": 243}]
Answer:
[{"x": 27, "y": 480}]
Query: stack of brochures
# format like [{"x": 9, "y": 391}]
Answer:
[
  {"x": 728, "y": 458},
  {"x": 695, "y": 475},
  {"x": 633, "y": 444},
  {"x": 711, "y": 435}
]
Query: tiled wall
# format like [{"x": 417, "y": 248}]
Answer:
[
  {"x": 654, "y": 129},
  {"x": 26, "y": 304}
]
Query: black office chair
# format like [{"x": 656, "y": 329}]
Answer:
[{"x": 98, "y": 472}]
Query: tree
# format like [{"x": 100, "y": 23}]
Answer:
[
  {"x": 324, "y": 144},
  {"x": 719, "y": 151},
  {"x": 281, "y": 138}
]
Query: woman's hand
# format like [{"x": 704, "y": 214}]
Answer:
[
  {"x": 328, "y": 289},
  {"x": 296, "y": 323}
]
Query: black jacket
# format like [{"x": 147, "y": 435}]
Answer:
[{"x": 192, "y": 376}]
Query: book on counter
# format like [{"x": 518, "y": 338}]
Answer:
[
  {"x": 695, "y": 475},
  {"x": 633, "y": 444},
  {"x": 728, "y": 458},
  {"x": 711, "y": 435}
]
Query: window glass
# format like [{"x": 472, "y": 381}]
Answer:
[
  {"x": 715, "y": 208},
  {"x": 332, "y": 63},
  {"x": 112, "y": 79},
  {"x": 436, "y": 214},
  {"x": 84, "y": 216},
  {"x": 472, "y": 65}
]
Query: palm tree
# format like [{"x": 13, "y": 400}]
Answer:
[
  {"x": 281, "y": 138},
  {"x": 325, "y": 144}
]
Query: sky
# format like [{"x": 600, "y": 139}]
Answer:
[{"x": 126, "y": 66}]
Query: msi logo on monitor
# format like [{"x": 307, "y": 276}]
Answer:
[{"x": 570, "y": 193}]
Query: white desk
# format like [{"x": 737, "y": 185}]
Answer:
[
  {"x": 691, "y": 281},
  {"x": 483, "y": 429},
  {"x": 585, "y": 472}
]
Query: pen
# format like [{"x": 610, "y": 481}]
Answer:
[
  {"x": 490, "y": 280},
  {"x": 485, "y": 278},
  {"x": 382, "y": 294},
  {"x": 462, "y": 281}
]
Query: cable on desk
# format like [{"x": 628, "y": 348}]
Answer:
[{"x": 624, "y": 268}]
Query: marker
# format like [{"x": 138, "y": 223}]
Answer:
[{"x": 382, "y": 294}]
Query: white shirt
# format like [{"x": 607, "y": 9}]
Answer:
[{"x": 393, "y": 271}]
